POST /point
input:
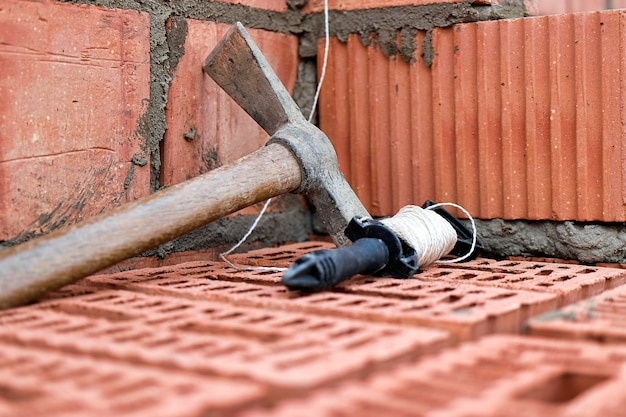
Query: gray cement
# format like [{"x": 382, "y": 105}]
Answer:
[{"x": 585, "y": 242}]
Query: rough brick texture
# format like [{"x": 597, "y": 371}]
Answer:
[
  {"x": 75, "y": 81},
  {"x": 601, "y": 318},
  {"x": 498, "y": 376},
  {"x": 495, "y": 124},
  {"x": 206, "y": 128},
  {"x": 570, "y": 282},
  {"x": 40, "y": 381},
  {"x": 467, "y": 311},
  {"x": 281, "y": 348}
]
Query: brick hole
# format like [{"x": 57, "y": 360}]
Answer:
[
  {"x": 452, "y": 298},
  {"x": 246, "y": 290},
  {"x": 223, "y": 287},
  {"x": 146, "y": 305},
  {"x": 290, "y": 323},
  {"x": 466, "y": 276},
  {"x": 466, "y": 308},
  {"x": 175, "y": 308},
  {"x": 535, "y": 266},
  {"x": 232, "y": 315},
  {"x": 309, "y": 247},
  {"x": 353, "y": 303},
  {"x": 418, "y": 307},
  {"x": 346, "y": 332},
  {"x": 319, "y": 326},
  {"x": 161, "y": 342},
  {"x": 328, "y": 299},
  {"x": 414, "y": 288},
  {"x": 587, "y": 271},
  {"x": 195, "y": 347},
  {"x": 503, "y": 296},
  {"x": 109, "y": 331},
  {"x": 383, "y": 305},
  {"x": 544, "y": 272},
  {"x": 441, "y": 274},
  {"x": 564, "y": 278},
  {"x": 264, "y": 295},
  {"x": 172, "y": 283},
  {"x": 511, "y": 264},
  {"x": 388, "y": 285},
  {"x": 254, "y": 320},
  {"x": 133, "y": 336},
  {"x": 99, "y": 298},
  {"x": 563, "y": 388},
  {"x": 495, "y": 277},
  {"x": 264, "y": 273},
  {"x": 369, "y": 281},
  {"x": 519, "y": 279},
  {"x": 165, "y": 319},
  {"x": 545, "y": 284},
  {"x": 440, "y": 290},
  {"x": 281, "y": 256}
]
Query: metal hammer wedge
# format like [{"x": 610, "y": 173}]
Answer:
[{"x": 297, "y": 158}]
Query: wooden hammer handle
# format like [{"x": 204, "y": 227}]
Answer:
[{"x": 64, "y": 256}]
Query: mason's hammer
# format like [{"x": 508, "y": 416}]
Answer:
[{"x": 297, "y": 158}]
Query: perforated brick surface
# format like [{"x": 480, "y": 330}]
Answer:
[
  {"x": 277, "y": 347},
  {"x": 570, "y": 282},
  {"x": 601, "y": 318},
  {"x": 203, "y": 338},
  {"x": 282, "y": 256},
  {"x": 40, "y": 381},
  {"x": 467, "y": 311},
  {"x": 498, "y": 376}
]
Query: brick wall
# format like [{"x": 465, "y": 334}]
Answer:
[
  {"x": 419, "y": 102},
  {"x": 104, "y": 104},
  {"x": 514, "y": 119}
]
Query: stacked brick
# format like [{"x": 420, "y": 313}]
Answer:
[
  {"x": 88, "y": 93},
  {"x": 513, "y": 119},
  {"x": 202, "y": 338}
]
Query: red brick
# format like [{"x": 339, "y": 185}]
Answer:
[
  {"x": 281, "y": 257},
  {"x": 279, "y": 6},
  {"x": 601, "y": 318},
  {"x": 40, "y": 381},
  {"x": 497, "y": 122},
  {"x": 546, "y": 7},
  {"x": 75, "y": 82},
  {"x": 283, "y": 348},
  {"x": 223, "y": 131},
  {"x": 570, "y": 282},
  {"x": 466, "y": 311},
  {"x": 497, "y": 376}
]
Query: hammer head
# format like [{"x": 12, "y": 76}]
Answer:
[{"x": 239, "y": 67}]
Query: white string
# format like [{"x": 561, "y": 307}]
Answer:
[
  {"x": 324, "y": 61},
  {"x": 474, "y": 232},
  {"x": 428, "y": 233},
  {"x": 267, "y": 202}
]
